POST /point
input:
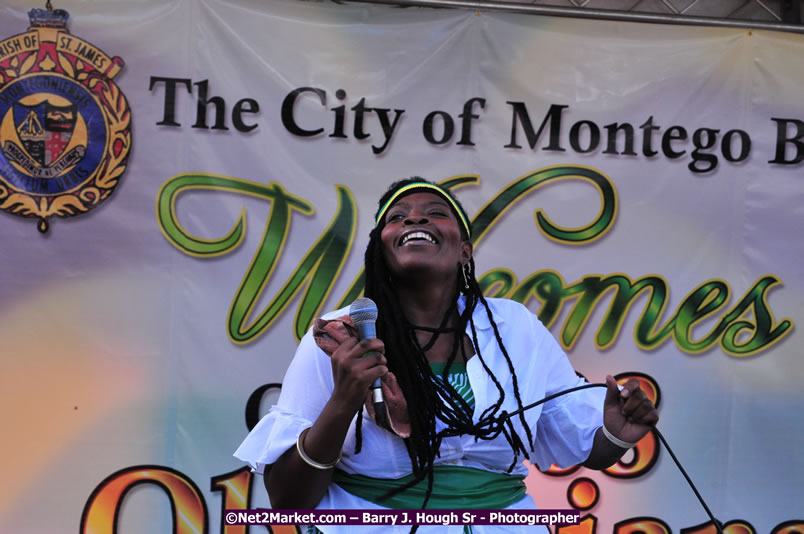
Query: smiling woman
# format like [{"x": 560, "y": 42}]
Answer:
[
  {"x": 450, "y": 359},
  {"x": 421, "y": 238}
]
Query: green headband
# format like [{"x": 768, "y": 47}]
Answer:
[{"x": 432, "y": 187}]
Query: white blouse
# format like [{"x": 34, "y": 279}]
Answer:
[{"x": 563, "y": 429}]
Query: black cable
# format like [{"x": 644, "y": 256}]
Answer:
[
  {"x": 689, "y": 480},
  {"x": 500, "y": 420}
]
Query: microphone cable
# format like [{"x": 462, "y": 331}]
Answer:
[{"x": 504, "y": 416}]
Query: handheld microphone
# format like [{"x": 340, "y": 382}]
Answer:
[{"x": 363, "y": 313}]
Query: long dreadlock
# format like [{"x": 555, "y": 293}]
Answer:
[{"x": 429, "y": 397}]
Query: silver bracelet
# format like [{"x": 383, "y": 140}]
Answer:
[
  {"x": 617, "y": 441},
  {"x": 309, "y": 461}
]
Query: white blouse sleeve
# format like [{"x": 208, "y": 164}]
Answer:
[
  {"x": 566, "y": 428},
  {"x": 306, "y": 388}
]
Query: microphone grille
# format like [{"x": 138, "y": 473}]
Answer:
[{"x": 363, "y": 310}]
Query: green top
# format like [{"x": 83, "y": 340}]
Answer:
[{"x": 457, "y": 378}]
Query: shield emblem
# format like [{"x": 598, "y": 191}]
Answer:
[
  {"x": 45, "y": 129},
  {"x": 29, "y": 121},
  {"x": 59, "y": 126}
]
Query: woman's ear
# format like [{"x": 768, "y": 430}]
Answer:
[{"x": 466, "y": 252}]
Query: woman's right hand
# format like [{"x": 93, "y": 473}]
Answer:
[
  {"x": 355, "y": 367},
  {"x": 291, "y": 482}
]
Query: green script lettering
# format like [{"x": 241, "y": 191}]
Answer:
[
  {"x": 550, "y": 293},
  {"x": 514, "y": 192},
  {"x": 333, "y": 245},
  {"x": 745, "y": 329}
]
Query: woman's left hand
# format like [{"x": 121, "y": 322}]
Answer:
[{"x": 628, "y": 413}]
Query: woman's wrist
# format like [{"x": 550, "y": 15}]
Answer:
[
  {"x": 340, "y": 409},
  {"x": 321, "y": 444},
  {"x": 309, "y": 461},
  {"x": 615, "y": 440}
]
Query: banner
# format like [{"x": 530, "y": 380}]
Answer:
[{"x": 185, "y": 185}]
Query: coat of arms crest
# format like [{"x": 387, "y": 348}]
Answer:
[{"x": 65, "y": 127}]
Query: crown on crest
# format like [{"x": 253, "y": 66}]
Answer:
[{"x": 48, "y": 18}]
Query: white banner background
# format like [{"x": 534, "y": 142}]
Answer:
[{"x": 114, "y": 342}]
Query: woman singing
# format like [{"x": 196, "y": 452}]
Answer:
[{"x": 452, "y": 363}]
